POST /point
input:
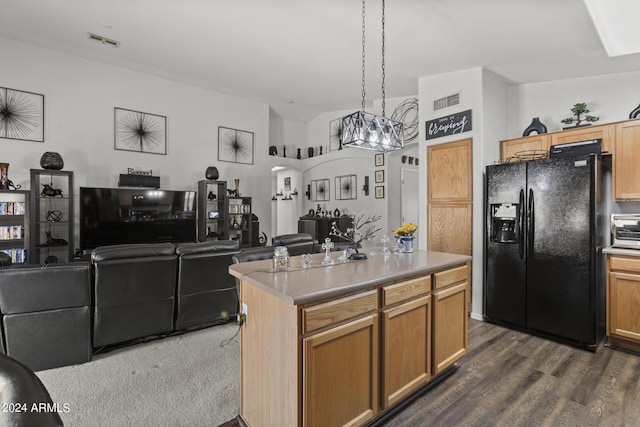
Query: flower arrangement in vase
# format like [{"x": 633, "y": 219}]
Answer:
[
  {"x": 404, "y": 236},
  {"x": 358, "y": 233}
]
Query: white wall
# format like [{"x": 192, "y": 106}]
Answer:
[
  {"x": 486, "y": 95},
  {"x": 80, "y": 96},
  {"x": 611, "y": 97}
]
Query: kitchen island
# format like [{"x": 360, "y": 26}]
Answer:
[{"x": 343, "y": 344}]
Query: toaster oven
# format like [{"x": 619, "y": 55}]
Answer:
[{"x": 625, "y": 230}]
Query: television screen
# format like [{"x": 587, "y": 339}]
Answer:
[{"x": 111, "y": 216}]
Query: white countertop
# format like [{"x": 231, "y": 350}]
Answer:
[{"x": 301, "y": 286}]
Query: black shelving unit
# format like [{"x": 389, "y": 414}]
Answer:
[
  {"x": 14, "y": 225},
  {"x": 212, "y": 210},
  {"x": 240, "y": 221},
  {"x": 51, "y": 216}
]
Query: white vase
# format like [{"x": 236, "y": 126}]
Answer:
[{"x": 406, "y": 243}]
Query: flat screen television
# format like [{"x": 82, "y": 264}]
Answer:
[{"x": 112, "y": 216}]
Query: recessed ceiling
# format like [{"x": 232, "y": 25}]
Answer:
[{"x": 309, "y": 52}]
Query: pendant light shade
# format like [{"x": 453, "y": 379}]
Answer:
[
  {"x": 366, "y": 130},
  {"x": 371, "y": 132}
]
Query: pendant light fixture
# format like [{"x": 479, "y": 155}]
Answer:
[{"x": 366, "y": 130}]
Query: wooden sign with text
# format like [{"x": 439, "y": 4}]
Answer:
[{"x": 449, "y": 125}]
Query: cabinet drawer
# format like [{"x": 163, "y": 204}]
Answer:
[
  {"x": 624, "y": 263},
  {"x": 449, "y": 277},
  {"x": 405, "y": 290},
  {"x": 322, "y": 315}
]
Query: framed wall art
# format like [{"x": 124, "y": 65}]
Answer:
[
  {"x": 379, "y": 191},
  {"x": 320, "y": 190},
  {"x": 379, "y": 176},
  {"x": 335, "y": 134},
  {"x": 379, "y": 160},
  {"x": 141, "y": 132},
  {"x": 287, "y": 183},
  {"x": 235, "y": 146},
  {"x": 346, "y": 187},
  {"x": 21, "y": 115}
]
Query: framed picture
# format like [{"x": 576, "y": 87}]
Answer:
[
  {"x": 335, "y": 134},
  {"x": 380, "y": 176},
  {"x": 21, "y": 115},
  {"x": 320, "y": 190},
  {"x": 287, "y": 183},
  {"x": 379, "y": 191},
  {"x": 141, "y": 132},
  {"x": 235, "y": 146},
  {"x": 346, "y": 187},
  {"x": 379, "y": 159}
]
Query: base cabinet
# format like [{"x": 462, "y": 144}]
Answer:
[
  {"x": 406, "y": 350},
  {"x": 623, "y": 301},
  {"x": 341, "y": 374},
  {"x": 350, "y": 359},
  {"x": 449, "y": 326}
]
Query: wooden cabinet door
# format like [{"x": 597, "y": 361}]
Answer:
[
  {"x": 623, "y": 306},
  {"x": 604, "y": 132},
  {"x": 450, "y": 227},
  {"x": 406, "y": 349},
  {"x": 450, "y": 171},
  {"x": 449, "y": 326},
  {"x": 517, "y": 149},
  {"x": 626, "y": 157},
  {"x": 340, "y": 374}
]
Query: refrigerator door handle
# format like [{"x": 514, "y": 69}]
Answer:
[
  {"x": 521, "y": 224},
  {"x": 530, "y": 219}
]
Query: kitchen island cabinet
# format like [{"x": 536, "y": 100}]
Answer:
[
  {"x": 341, "y": 345},
  {"x": 623, "y": 298}
]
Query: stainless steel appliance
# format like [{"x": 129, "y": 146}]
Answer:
[
  {"x": 544, "y": 268},
  {"x": 625, "y": 230}
]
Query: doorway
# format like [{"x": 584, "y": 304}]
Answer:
[{"x": 409, "y": 195}]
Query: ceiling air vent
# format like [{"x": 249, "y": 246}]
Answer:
[
  {"x": 445, "y": 102},
  {"x": 104, "y": 40}
]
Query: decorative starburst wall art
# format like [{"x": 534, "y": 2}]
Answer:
[
  {"x": 335, "y": 135},
  {"x": 346, "y": 187},
  {"x": 21, "y": 115},
  {"x": 141, "y": 132},
  {"x": 235, "y": 145},
  {"x": 320, "y": 190}
]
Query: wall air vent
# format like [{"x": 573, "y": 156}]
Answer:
[
  {"x": 104, "y": 40},
  {"x": 446, "y": 101}
]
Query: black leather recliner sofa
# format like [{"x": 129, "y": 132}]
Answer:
[
  {"x": 46, "y": 314},
  {"x": 204, "y": 292},
  {"x": 296, "y": 243},
  {"x": 134, "y": 289}
]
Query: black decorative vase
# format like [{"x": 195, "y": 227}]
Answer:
[
  {"x": 51, "y": 160},
  {"x": 310, "y": 152},
  {"x": 535, "y": 126},
  {"x": 635, "y": 113},
  {"x": 298, "y": 156},
  {"x": 212, "y": 173}
]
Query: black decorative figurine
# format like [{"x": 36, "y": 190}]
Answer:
[
  {"x": 535, "y": 126},
  {"x": 635, "y": 113}
]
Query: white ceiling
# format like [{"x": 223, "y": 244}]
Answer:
[{"x": 309, "y": 51}]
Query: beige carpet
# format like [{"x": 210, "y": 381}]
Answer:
[{"x": 185, "y": 380}]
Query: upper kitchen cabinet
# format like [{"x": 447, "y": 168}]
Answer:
[
  {"x": 525, "y": 148},
  {"x": 604, "y": 132},
  {"x": 626, "y": 157}
]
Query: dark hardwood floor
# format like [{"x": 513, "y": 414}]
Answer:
[{"x": 509, "y": 378}]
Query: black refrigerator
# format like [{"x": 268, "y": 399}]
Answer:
[{"x": 544, "y": 267}]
